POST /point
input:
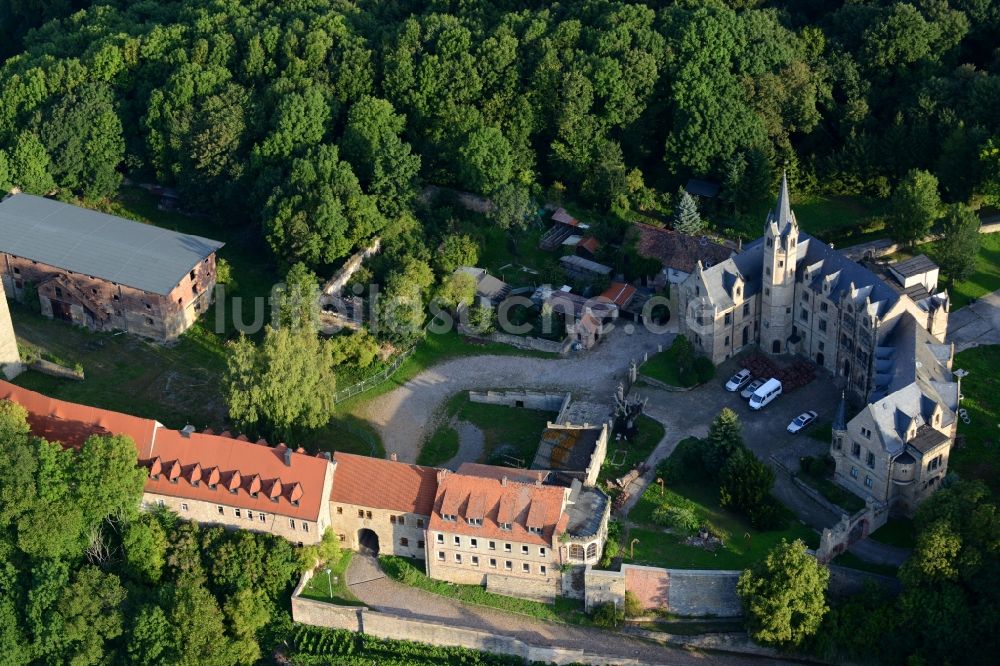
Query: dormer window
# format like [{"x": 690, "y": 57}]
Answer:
[
  {"x": 535, "y": 530},
  {"x": 769, "y": 243},
  {"x": 475, "y": 522},
  {"x": 449, "y": 517},
  {"x": 505, "y": 526}
]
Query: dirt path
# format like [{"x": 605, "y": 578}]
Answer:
[
  {"x": 404, "y": 416},
  {"x": 387, "y": 595}
]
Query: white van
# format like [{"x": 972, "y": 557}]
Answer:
[{"x": 765, "y": 394}]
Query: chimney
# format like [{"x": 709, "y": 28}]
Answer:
[
  {"x": 288, "y": 457},
  {"x": 393, "y": 457},
  {"x": 187, "y": 430},
  {"x": 503, "y": 481},
  {"x": 326, "y": 455}
]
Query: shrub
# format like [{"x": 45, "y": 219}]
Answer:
[
  {"x": 633, "y": 607},
  {"x": 613, "y": 545},
  {"x": 608, "y": 615},
  {"x": 704, "y": 369},
  {"x": 680, "y": 518}
]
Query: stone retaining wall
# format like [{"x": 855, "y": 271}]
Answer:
[
  {"x": 688, "y": 592},
  {"x": 544, "y": 589},
  {"x": 529, "y": 343},
  {"x": 550, "y": 402}
]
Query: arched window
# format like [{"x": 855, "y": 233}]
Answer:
[
  {"x": 576, "y": 552},
  {"x": 592, "y": 550}
]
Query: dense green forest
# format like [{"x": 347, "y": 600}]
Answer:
[{"x": 317, "y": 121}]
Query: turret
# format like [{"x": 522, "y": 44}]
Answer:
[{"x": 781, "y": 235}]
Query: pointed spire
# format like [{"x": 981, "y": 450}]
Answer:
[
  {"x": 783, "y": 209},
  {"x": 840, "y": 418}
]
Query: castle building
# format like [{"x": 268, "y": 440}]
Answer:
[
  {"x": 881, "y": 334},
  {"x": 104, "y": 272}
]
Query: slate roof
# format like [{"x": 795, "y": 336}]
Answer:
[
  {"x": 383, "y": 484},
  {"x": 917, "y": 265},
  {"x": 678, "y": 251},
  {"x": 99, "y": 245}
]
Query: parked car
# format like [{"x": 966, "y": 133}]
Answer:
[
  {"x": 739, "y": 380},
  {"x": 751, "y": 387},
  {"x": 770, "y": 390},
  {"x": 801, "y": 421}
]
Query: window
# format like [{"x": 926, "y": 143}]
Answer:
[
  {"x": 343, "y": 537},
  {"x": 475, "y": 560},
  {"x": 541, "y": 552},
  {"x": 592, "y": 550},
  {"x": 475, "y": 522},
  {"x": 184, "y": 506},
  {"x": 934, "y": 464},
  {"x": 237, "y": 512},
  {"x": 543, "y": 570},
  {"x": 535, "y": 530},
  {"x": 458, "y": 558},
  {"x": 440, "y": 538},
  {"x": 788, "y": 310},
  {"x": 576, "y": 552},
  {"x": 305, "y": 527},
  {"x": 781, "y": 264},
  {"x": 524, "y": 550},
  {"x": 148, "y": 306},
  {"x": 458, "y": 540},
  {"x": 368, "y": 515},
  {"x": 854, "y": 472},
  {"x": 191, "y": 274},
  {"x": 804, "y": 315},
  {"x": 441, "y": 555},
  {"x": 506, "y": 548},
  {"x": 161, "y": 503},
  {"x": 767, "y": 270},
  {"x": 392, "y": 519},
  {"x": 728, "y": 318},
  {"x": 249, "y": 515},
  {"x": 505, "y": 526},
  {"x": 697, "y": 290},
  {"x": 727, "y": 341},
  {"x": 493, "y": 545},
  {"x": 340, "y": 510},
  {"x": 805, "y": 296},
  {"x": 448, "y": 516},
  {"x": 473, "y": 543},
  {"x": 420, "y": 522},
  {"x": 493, "y": 563},
  {"x": 822, "y": 325},
  {"x": 361, "y": 513},
  {"x": 59, "y": 293},
  {"x": 823, "y": 307},
  {"x": 221, "y": 510},
  {"x": 420, "y": 545},
  {"x": 508, "y": 565},
  {"x": 402, "y": 520},
  {"x": 291, "y": 523},
  {"x": 868, "y": 481},
  {"x": 263, "y": 517},
  {"x": 746, "y": 309},
  {"x": 525, "y": 567},
  {"x": 867, "y": 433},
  {"x": 855, "y": 449},
  {"x": 820, "y": 346},
  {"x": 871, "y": 459},
  {"x": 403, "y": 541},
  {"x": 17, "y": 271}
]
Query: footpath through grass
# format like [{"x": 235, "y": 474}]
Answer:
[
  {"x": 977, "y": 453},
  {"x": 411, "y": 572},
  {"x": 657, "y": 547},
  {"x": 318, "y": 587}
]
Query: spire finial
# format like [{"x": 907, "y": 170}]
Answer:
[{"x": 783, "y": 211}]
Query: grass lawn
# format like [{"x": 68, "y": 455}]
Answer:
[
  {"x": 507, "y": 431},
  {"x": 977, "y": 456},
  {"x": 842, "y": 220},
  {"x": 650, "y": 433},
  {"x": 318, "y": 587},
  {"x": 658, "y": 548},
  {"x": 896, "y": 532},
  {"x": 663, "y": 367},
  {"x": 411, "y": 572},
  {"x": 441, "y": 447}
]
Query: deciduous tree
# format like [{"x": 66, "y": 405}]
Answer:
[
  {"x": 958, "y": 248},
  {"x": 916, "y": 206}
]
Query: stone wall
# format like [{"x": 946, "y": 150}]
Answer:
[
  {"x": 399, "y": 533},
  {"x": 603, "y": 587},
  {"x": 350, "y": 267},
  {"x": 550, "y": 402},
  {"x": 544, "y": 589},
  {"x": 529, "y": 343},
  {"x": 688, "y": 592}
]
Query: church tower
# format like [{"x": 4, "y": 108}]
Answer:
[
  {"x": 10, "y": 359},
  {"x": 781, "y": 235}
]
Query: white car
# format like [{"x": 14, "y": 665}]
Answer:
[
  {"x": 739, "y": 380},
  {"x": 751, "y": 387},
  {"x": 801, "y": 421}
]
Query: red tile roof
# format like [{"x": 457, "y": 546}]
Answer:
[
  {"x": 523, "y": 505},
  {"x": 383, "y": 484},
  {"x": 619, "y": 294},
  {"x": 589, "y": 243},
  {"x": 498, "y": 473},
  {"x": 678, "y": 251},
  {"x": 560, "y": 215},
  {"x": 198, "y": 458}
]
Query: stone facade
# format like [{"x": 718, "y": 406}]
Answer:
[
  {"x": 103, "y": 305},
  {"x": 465, "y": 559},
  {"x": 398, "y": 533},
  {"x": 10, "y": 358}
]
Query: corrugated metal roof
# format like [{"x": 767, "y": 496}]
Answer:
[{"x": 103, "y": 246}]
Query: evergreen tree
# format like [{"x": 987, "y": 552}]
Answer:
[
  {"x": 686, "y": 217},
  {"x": 958, "y": 249},
  {"x": 725, "y": 438}
]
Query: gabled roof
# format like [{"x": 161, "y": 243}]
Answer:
[
  {"x": 99, "y": 245},
  {"x": 186, "y": 465},
  {"x": 383, "y": 484},
  {"x": 678, "y": 251},
  {"x": 522, "y": 505},
  {"x": 619, "y": 294}
]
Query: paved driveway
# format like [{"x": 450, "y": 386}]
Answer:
[
  {"x": 976, "y": 324},
  {"x": 387, "y": 595}
]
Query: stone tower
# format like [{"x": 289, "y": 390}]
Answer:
[
  {"x": 781, "y": 235},
  {"x": 10, "y": 359}
]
